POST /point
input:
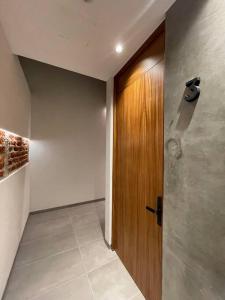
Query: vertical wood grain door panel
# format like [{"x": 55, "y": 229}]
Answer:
[{"x": 138, "y": 167}]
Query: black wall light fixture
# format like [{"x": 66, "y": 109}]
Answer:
[{"x": 192, "y": 89}]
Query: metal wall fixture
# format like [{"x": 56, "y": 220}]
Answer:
[{"x": 192, "y": 91}]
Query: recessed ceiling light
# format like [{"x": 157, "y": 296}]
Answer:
[{"x": 119, "y": 48}]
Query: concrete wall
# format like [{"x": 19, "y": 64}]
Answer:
[
  {"x": 14, "y": 190},
  {"x": 194, "y": 205},
  {"x": 109, "y": 160},
  {"x": 68, "y": 136}
]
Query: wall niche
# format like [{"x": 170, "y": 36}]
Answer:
[{"x": 14, "y": 152}]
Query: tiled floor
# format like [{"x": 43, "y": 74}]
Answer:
[{"x": 63, "y": 256}]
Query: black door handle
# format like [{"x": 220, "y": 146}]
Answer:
[{"x": 158, "y": 211}]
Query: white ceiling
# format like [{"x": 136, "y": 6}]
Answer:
[{"x": 80, "y": 35}]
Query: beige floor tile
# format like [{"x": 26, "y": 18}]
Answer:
[
  {"x": 138, "y": 297},
  {"x": 82, "y": 210},
  {"x": 36, "y": 231},
  {"x": 96, "y": 254},
  {"x": 83, "y": 221},
  {"x": 77, "y": 289},
  {"x": 89, "y": 233},
  {"x": 46, "y": 246},
  {"x": 39, "y": 273},
  {"x": 100, "y": 205},
  {"x": 28, "y": 281},
  {"x": 100, "y": 209},
  {"x": 112, "y": 281}
]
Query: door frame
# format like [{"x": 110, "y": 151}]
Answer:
[{"x": 130, "y": 63}]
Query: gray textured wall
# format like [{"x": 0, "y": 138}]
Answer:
[{"x": 194, "y": 211}]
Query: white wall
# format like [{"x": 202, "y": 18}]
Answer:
[
  {"x": 68, "y": 136},
  {"x": 14, "y": 190},
  {"x": 109, "y": 160}
]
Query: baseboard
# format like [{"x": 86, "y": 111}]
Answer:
[{"x": 65, "y": 206}]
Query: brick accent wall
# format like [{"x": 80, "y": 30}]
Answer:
[{"x": 14, "y": 152}]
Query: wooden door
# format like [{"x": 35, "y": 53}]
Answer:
[{"x": 138, "y": 166}]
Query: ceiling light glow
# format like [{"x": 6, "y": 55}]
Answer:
[{"x": 119, "y": 48}]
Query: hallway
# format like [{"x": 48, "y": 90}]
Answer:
[
  {"x": 112, "y": 137},
  {"x": 63, "y": 256}
]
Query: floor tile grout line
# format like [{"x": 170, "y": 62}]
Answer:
[
  {"x": 57, "y": 285},
  {"x": 68, "y": 213},
  {"x": 84, "y": 272},
  {"x": 102, "y": 265},
  {"x": 66, "y": 216},
  {"x": 85, "y": 226},
  {"x": 86, "y": 245},
  {"x": 90, "y": 285},
  {"x": 79, "y": 247},
  {"x": 52, "y": 255},
  {"x": 67, "y": 281},
  {"x": 77, "y": 242},
  {"x": 62, "y": 283},
  {"x": 43, "y": 237},
  {"x": 43, "y": 258},
  {"x": 48, "y": 289},
  {"x": 81, "y": 256},
  {"x": 99, "y": 267},
  {"x": 88, "y": 279}
]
